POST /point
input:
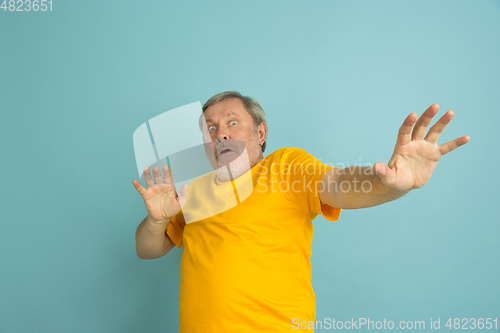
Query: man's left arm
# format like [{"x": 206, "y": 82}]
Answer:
[{"x": 412, "y": 163}]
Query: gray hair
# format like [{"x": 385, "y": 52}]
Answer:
[{"x": 251, "y": 105}]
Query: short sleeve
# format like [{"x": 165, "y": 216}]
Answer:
[
  {"x": 175, "y": 229},
  {"x": 304, "y": 173}
]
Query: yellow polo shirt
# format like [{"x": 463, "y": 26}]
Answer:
[{"x": 247, "y": 268}]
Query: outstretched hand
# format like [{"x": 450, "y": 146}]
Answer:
[
  {"x": 160, "y": 198},
  {"x": 415, "y": 157}
]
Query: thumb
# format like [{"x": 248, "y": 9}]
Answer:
[
  {"x": 183, "y": 191},
  {"x": 387, "y": 175}
]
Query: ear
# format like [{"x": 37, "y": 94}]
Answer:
[{"x": 262, "y": 133}]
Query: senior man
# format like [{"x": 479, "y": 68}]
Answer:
[{"x": 246, "y": 267}]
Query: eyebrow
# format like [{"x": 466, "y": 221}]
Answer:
[{"x": 227, "y": 115}]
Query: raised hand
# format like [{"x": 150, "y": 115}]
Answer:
[
  {"x": 415, "y": 157},
  {"x": 161, "y": 199}
]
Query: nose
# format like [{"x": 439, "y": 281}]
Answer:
[{"x": 222, "y": 135}]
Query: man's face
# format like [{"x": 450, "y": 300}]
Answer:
[{"x": 230, "y": 128}]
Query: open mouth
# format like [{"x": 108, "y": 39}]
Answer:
[{"x": 225, "y": 151}]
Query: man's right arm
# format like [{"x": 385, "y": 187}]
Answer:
[
  {"x": 162, "y": 203},
  {"x": 151, "y": 240}
]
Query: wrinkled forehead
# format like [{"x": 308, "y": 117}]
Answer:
[{"x": 227, "y": 114}]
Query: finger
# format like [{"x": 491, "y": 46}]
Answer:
[
  {"x": 167, "y": 175},
  {"x": 439, "y": 127},
  {"x": 183, "y": 191},
  {"x": 157, "y": 176},
  {"x": 404, "y": 134},
  {"x": 387, "y": 175},
  {"x": 445, "y": 148},
  {"x": 424, "y": 121},
  {"x": 139, "y": 187},
  {"x": 147, "y": 177}
]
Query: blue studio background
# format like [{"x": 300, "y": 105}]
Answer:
[{"x": 336, "y": 78}]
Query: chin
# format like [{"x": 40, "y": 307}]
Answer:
[{"x": 234, "y": 169}]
